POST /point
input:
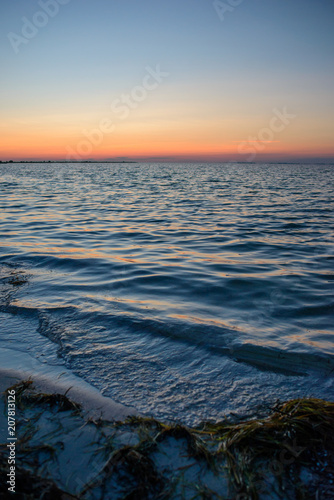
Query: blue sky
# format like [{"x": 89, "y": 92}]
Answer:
[{"x": 225, "y": 76}]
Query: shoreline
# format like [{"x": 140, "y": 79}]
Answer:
[{"x": 58, "y": 379}]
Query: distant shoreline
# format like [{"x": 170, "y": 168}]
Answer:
[
  {"x": 64, "y": 161},
  {"x": 70, "y": 162}
]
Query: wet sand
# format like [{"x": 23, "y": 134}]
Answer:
[{"x": 67, "y": 451}]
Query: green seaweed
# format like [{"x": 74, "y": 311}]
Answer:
[
  {"x": 17, "y": 279},
  {"x": 25, "y": 396},
  {"x": 258, "y": 456},
  {"x": 294, "y": 435},
  {"x": 138, "y": 466},
  {"x": 196, "y": 447}
]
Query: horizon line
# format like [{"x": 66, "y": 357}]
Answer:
[{"x": 316, "y": 160}]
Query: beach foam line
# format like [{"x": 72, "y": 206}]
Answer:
[{"x": 16, "y": 365}]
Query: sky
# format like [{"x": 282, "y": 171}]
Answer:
[{"x": 190, "y": 80}]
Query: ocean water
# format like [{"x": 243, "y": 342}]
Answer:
[{"x": 187, "y": 291}]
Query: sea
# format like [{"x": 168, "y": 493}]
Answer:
[{"x": 189, "y": 291}]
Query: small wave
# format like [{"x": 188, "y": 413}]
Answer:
[
  {"x": 288, "y": 362},
  {"x": 165, "y": 283}
]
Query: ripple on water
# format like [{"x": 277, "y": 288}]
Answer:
[{"x": 177, "y": 288}]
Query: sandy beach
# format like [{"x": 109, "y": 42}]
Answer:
[
  {"x": 67, "y": 452},
  {"x": 61, "y": 381}
]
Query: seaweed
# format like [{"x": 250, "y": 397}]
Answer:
[
  {"x": 196, "y": 447},
  {"x": 287, "y": 454},
  {"x": 25, "y": 396},
  {"x": 31, "y": 485},
  {"x": 139, "y": 470},
  {"x": 295, "y": 435},
  {"x": 17, "y": 279}
]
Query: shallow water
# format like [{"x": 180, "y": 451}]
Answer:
[{"x": 184, "y": 290}]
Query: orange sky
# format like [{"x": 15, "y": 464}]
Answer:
[
  {"x": 140, "y": 140},
  {"x": 186, "y": 86}
]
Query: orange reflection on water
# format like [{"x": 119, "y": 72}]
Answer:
[
  {"x": 147, "y": 304},
  {"x": 205, "y": 321},
  {"x": 322, "y": 343},
  {"x": 73, "y": 252}
]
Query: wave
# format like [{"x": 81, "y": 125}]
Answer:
[{"x": 161, "y": 284}]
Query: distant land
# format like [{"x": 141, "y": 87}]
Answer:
[
  {"x": 315, "y": 161},
  {"x": 66, "y": 161}
]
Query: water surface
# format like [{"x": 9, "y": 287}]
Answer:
[{"x": 184, "y": 290}]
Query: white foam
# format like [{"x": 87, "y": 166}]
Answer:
[
  {"x": 24, "y": 353},
  {"x": 57, "y": 379}
]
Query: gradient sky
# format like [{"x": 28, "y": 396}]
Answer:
[{"x": 227, "y": 75}]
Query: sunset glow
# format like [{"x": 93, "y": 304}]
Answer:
[{"x": 167, "y": 82}]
